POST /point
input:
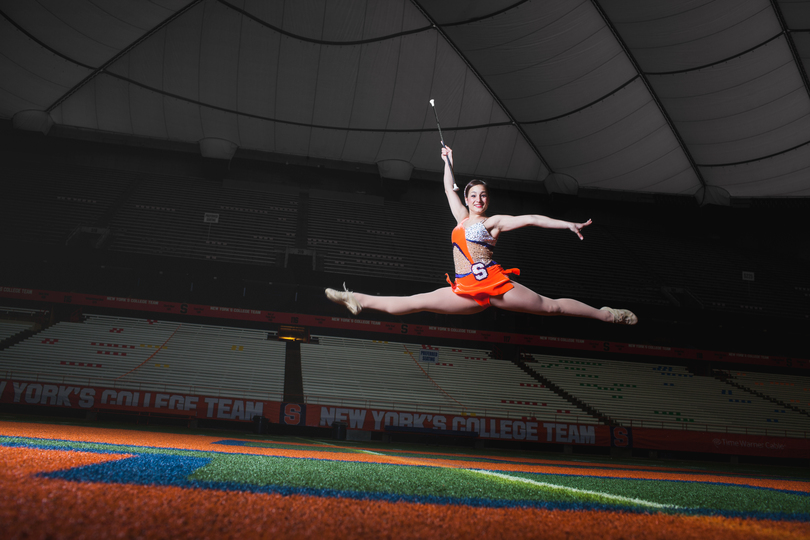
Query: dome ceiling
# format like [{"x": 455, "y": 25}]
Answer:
[{"x": 693, "y": 97}]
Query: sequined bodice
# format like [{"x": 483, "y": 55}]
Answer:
[
  {"x": 471, "y": 246},
  {"x": 478, "y": 233}
]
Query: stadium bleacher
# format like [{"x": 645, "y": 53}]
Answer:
[
  {"x": 137, "y": 354},
  {"x": 460, "y": 381},
  {"x": 668, "y": 397}
]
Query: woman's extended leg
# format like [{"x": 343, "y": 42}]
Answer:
[
  {"x": 442, "y": 300},
  {"x": 524, "y": 300}
]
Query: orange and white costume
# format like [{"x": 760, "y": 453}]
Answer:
[{"x": 477, "y": 275}]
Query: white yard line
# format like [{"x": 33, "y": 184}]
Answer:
[
  {"x": 574, "y": 490},
  {"x": 343, "y": 447}
]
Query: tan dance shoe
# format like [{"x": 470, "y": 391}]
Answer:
[
  {"x": 346, "y": 298},
  {"x": 622, "y": 316}
]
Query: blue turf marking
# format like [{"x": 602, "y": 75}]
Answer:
[
  {"x": 172, "y": 470},
  {"x": 123, "y": 449},
  {"x": 143, "y": 469}
]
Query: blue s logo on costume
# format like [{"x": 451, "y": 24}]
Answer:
[{"x": 479, "y": 270}]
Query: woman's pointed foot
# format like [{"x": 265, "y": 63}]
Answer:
[
  {"x": 621, "y": 316},
  {"x": 346, "y": 298}
]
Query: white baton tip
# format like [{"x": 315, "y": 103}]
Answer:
[{"x": 431, "y": 103}]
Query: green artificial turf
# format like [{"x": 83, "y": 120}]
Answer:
[
  {"x": 685, "y": 494},
  {"x": 428, "y": 481}
]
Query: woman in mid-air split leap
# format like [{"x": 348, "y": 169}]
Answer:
[{"x": 480, "y": 281}]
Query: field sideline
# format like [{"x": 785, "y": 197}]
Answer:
[{"x": 76, "y": 481}]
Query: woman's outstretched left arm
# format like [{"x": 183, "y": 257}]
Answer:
[{"x": 499, "y": 224}]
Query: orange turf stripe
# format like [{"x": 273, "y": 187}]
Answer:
[{"x": 38, "y": 507}]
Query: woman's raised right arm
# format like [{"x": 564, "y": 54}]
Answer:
[{"x": 450, "y": 189}]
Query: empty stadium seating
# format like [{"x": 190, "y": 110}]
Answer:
[
  {"x": 165, "y": 216},
  {"x": 12, "y": 328},
  {"x": 390, "y": 374},
  {"x": 156, "y": 355},
  {"x": 670, "y": 397},
  {"x": 791, "y": 389}
]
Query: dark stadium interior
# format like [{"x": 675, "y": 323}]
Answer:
[{"x": 678, "y": 265}]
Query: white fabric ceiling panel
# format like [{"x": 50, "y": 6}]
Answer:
[
  {"x": 545, "y": 59},
  {"x": 182, "y": 120},
  {"x": 448, "y": 12},
  {"x": 781, "y": 176},
  {"x": 796, "y": 13},
  {"x": 219, "y": 124},
  {"x": 219, "y": 56},
  {"x": 266, "y": 12},
  {"x": 671, "y": 36},
  {"x": 11, "y": 103},
  {"x": 384, "y": 18},
  {"x": 344, "y": 20},
  {"x": 144, "y": 64},
  {"x": 112, "y": 104},
  {"x": 297, "y": 80},
  {"x": 401, "y": 146},
  {"x": 30, "y": 75},
  {"x": 654, "y": 96},
  {"x": 416, "y": 65},
  {"x": 744, "y": 137},
  {"x": 619, "y": 143},
  {"x": 496, "y": 155},
  {"x": 291, "y": 139},
  {"x": 372, "y": 86},
  {"x": 466, "y": 145},
  {"x": 362, "y": 146},
  {"x": 328, "y": 143},
  {"x": 638, "y": 168},
  {"x": 80, "y": 109},
  {"x": 478, "y": 107},
  {"x": 256, "y": 134},
  {"x": 258, "y": 69},
  {"x": 741, "y": 84},
  {"x": 23, "y": 89},
  {"x": 750, "y": 107},
  {"x": 611, "y": 125},
  {"x": 427, "y": 151},
  {"x": 334, "y": 103},
  {"x": 802, "y": 41},
  {"x": 303, "y": 18},
  {"x": 79, "y": 29},
  {"x": 523, "y": 161},
  {"x": 147, "y": 113},
  {"x": 448, "y": 88},
  {"x": 181, "y": 55}
]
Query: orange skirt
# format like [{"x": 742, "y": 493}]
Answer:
[{"x": 496, "y": 283}]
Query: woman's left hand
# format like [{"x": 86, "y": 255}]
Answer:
[{"x": 576, "y": 228}]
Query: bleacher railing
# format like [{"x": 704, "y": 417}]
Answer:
[{"x": 712, "y": 428}]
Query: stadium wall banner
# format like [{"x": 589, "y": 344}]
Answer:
[
  {"x": 510, "y": 429},
  {"x": 136, "y": 401},
  {"x": 341, "y": 323},
  {"x": 740, "y": 444}
]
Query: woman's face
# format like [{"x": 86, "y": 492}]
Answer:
[{"x": 477, "y": 200}]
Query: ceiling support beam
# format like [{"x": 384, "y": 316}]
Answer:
[
  {"x": 650, "y": 90},
  {"x": 797, "y": 59},
  {"x": 120, "y": 54},
  {"x": 483, "y": 82}
]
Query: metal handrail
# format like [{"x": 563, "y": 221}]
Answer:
[{"x": 712, "y": 428}]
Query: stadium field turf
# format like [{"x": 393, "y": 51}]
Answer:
[{"x": 76, "y": 481}]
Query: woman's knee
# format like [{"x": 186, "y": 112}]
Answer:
[{"x": 552, "y": 307}]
